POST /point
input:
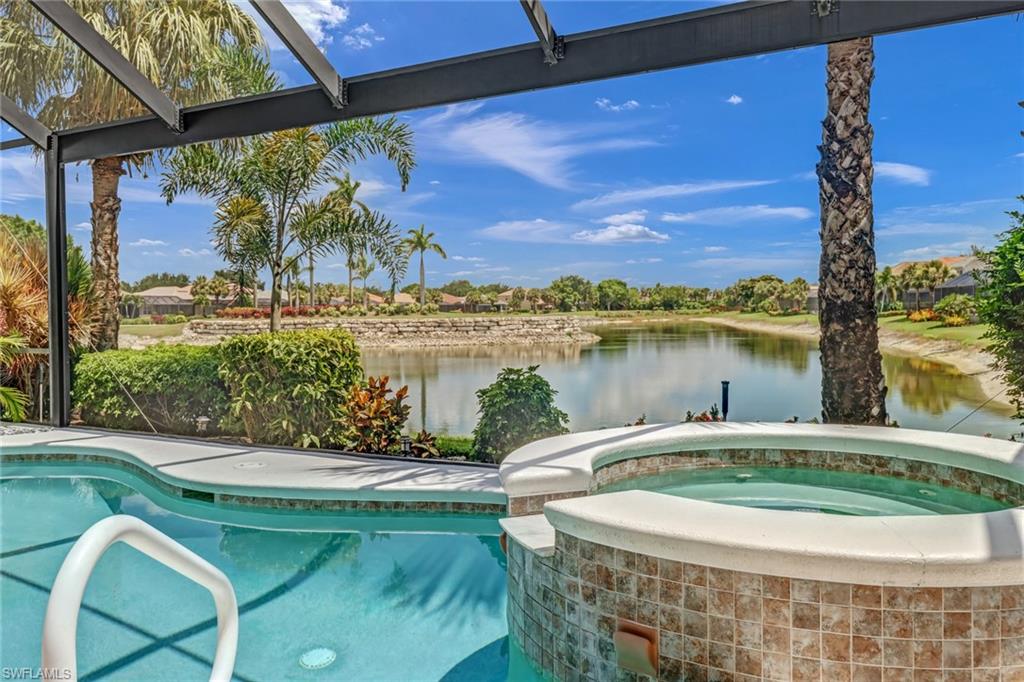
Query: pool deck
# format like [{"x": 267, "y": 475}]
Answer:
[{"x": 264, "y": 472}]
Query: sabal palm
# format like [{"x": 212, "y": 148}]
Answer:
[
  {"x": 268, "y": 210},
  {"x": 886, "y": 284},
  {"x": 364, "y": 268},
  {"x": 420, "y": 241},
  {"x": 194, "y": 51}
]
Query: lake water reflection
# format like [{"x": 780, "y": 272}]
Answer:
[{"x": 662, "y": 370}]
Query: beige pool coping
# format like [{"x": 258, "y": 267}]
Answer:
[{"x": 269, "y": 472}]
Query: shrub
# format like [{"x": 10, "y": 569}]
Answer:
[
  {"x": 955, "y": 305},
  {"x": 926, "y": 315},
  {"x": 710, "y": 415},
  {"x": 373, "y": 417},
  {"x": 289, "y": 388},
  {"x": 172, "y": 385},
  {"x": 175, "y": 319},
  {"x": 424, "y": 444},
  {"x": 451, "y": 447},
  {"x": 770, "y": 306},
  {"x": 516, "y": 409},
  {"x": 955, "y": 321},
  {"x": 431, "y": 308}
]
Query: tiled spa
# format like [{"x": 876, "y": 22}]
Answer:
[{"x": 634, "y": 584}]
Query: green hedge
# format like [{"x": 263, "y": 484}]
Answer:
[
  {"x": 289, "y": 388},
  {"x": 172, "y": 384}
]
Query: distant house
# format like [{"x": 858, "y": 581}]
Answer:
[
  {"x": 962, "y": 282},
  {"x": 402, "y": 298},
  {"x": 451, "y": 303},
  {"x": 167, "y": 300},
  {"x": 812, "y": 299},
  {"x": 965, "y": 283},
  {"x": 958, "y": 264}
]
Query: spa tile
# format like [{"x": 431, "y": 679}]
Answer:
[
  {"x": 722, "y": 656},
  {"x": 806, "y": 616},
  {"x": 956, "y": 599},
  {"x": 695, "y": 624},
  {"x": 748, "y": 607},
  {"x": 670, "y": 592},
  {"x": 898, "y": 653},
  {"x": 805, "y": 643},
  {"x": 866, "y": 650},
  {"x": 805, "y": 590},
  {"x": 866, "y": 673},
  {"x": 866, "y": 621},
  {"x": 836, "y": 593},
  {"x": 1012, "y": 623},
  {"x": 670, "y": 618},
  {"x": 956, "y": 654},
  {"x": 721, "y": 603},
  {"x": 775, "y": 639},
  {"x": 986, "y": 624},
  {"x": 927, "y": 599},
  {"x": 835, "y": 618},
  {"x": 721, "y": 629},
  {"x": 695, "y": 650},
  {"x": 806, "y": 669},
  {"x": 897, "y": 597},
  {"x": 775, "y": 611},
  {"x": 748, "y": 634},
  {"x": 898, "y": 624},
  {"x": 956, "y": 625},
  {"x": 647, "y": 588},
  {"x": 670, "y": 570},
  {"x": 928, "y": 625},
  {"x": 647, "y": 613},
  {"x": 775, "y": 587},
  {"x": 721, "y": 579},
  {"x": 867, "y": 596},
  {"x": 986, "y": 598},
  {"x": 1012, "y": 597},
  {"x": 835, "y": 647},
  {"x": 890, "y": 674},
  {"x": 694, "y": 574},
  {"x": 747, "y": 583},
  {"x": 986, "y": 653},
  {"x": 928, "y": 654},
  {"x": 776, "y": 666},
  {"x": 748, "y": 661},
  {"x": 1013, "y": 651},
  {"x": 695, "y": 598},
  {"x": 836, "y": 671},
  {"x": 646, "y": 565}
]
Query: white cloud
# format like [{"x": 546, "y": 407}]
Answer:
[
  {"x": 727, "y": 215},
  {"x": 806, "y": 175},
  {"x": 153, "y": 253},
  {"x": 542, "y": 151},
  {"x": 317, "y": 17},
  {"x": 642, "y": 261},
  {"x": 664, "y": 191},
  {"x": 910, "y": 228},
  {"x": 903, "y": 173},
  {"x": 715, "y": 249},
  {"x": 469, "y": 259},
  {"x": 84, "y": 226},
  {"x": 1019, "y": 155},
  {"x": 605, "y": 104},
  {"x": 148, "y": 242},
  {"x": 765, "y": 264},
  {"x": 362, "y": 37},
  {"x": 734, "y": 100},
  {"x": 632, "y": 217},
  {"x": 189, "y": 252},
  {"x": 936, "y": 251},
  {"x": 534, "y": 231},
  {"x": 618, "y": 234},
  {"x": 435, "y": 182}
]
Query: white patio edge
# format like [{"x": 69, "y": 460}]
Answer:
[
  {"x": 939, "y": 551},
  {"x": 267, "y": 472}
]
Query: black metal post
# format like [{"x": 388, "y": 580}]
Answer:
[
  {"x": 57, "y": 275},
  {"x": 725, "y": 400}
]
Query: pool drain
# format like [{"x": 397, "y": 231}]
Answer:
[
  {"x": 317, "y": 658},
  {"x": 744, "y": 477},
  {"x": 927, "y": 493}
]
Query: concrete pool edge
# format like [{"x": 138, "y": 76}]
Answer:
[{"x": 266, "y": 476}]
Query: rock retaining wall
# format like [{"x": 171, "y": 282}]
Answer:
[{"x": 414, "y": 331}]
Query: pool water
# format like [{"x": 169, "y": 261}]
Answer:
[
  {"x": 813, "y": 490},
  {"x": 421, "y": 599}
]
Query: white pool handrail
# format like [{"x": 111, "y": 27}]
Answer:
[{"x": 61, "y": 623}]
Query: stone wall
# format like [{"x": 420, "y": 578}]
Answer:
[
  {"x": 414, "y": 331},
  {"x": 715, "y": 624}
]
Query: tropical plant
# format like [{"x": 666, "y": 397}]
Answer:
[
  {"x": 196, "y": 52},
  {"x": 268, "y": 209},
  {"x": 13, "y": 402},
  {"x": 1000, "y": 304},
  {"x": 288, "y": 388},
  {"x": 934, "y": 275},
  {"x": 365, "y": 268},
  {"x": 424, "y": 444},
  {"x": 163, "y": 388},
  {"x": 612, "y": 294},
  {"x": 420, "y": 241},
  {"x": 887, "y": 285},
  {"x": 516, "y": 409},
  {"x": 955, "y": 305},
  {"x": 571, "y": 293},
  {"x": 373, "y": 417},
  {"x": 852, "y": 383}
]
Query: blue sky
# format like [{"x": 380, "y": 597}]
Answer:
[{"x": 697, "y": 176}]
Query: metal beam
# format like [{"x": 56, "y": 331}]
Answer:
[
  {"x": 23, "y": 122},
  {"x": 113, "y": 62},
  {"x": 550, "y": 42},
  {"x": 304, "y": 49},
  {"x": 700, "y": 37},
  {"x": 15, "y": 143},
  {"x": 57, "y": 277}
]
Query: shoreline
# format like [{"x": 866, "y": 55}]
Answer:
[{"x": 973, "y": 362}]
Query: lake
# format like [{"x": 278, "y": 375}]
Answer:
[{"x": 661, "y": 370}]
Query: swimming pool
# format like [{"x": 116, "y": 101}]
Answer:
[
  {"x": 409, "y": 597},
  {"x": 813, "y": 490}
]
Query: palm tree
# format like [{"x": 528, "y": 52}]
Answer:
[
  {"x": 365, "y": 268},
  {"x": 218, "y": 287},
  {"x": 395, "y": 264},
  {"x": 422, "y": 241},
  {"x": 936, "y": 273},
  {"x": 268, "y": 209},
  {"x": 852, "y": 383},
  {"x": 886, "y": 284},
  {"x": 196, "y": 52}
]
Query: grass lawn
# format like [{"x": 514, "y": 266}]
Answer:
[
  {"x": 152, "y": 330},
  {"x": 970, "y": 335}
]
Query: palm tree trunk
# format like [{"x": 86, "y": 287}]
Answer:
[
  {"x": 106, "y": 280},
  {"x": 852, "y": 384},
  {"x": 423, "y": 283},
  {"x": 312, "y": 296},
  {"x": 351, "y": 291},
  {"x": 366, "y": 298},
  {"x": 275, "y": 300}
]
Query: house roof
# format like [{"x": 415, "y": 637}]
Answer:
[
  {"x": 183, "y": 294},
  {"x": 963, "y": 280},
  {"x": 968, "y": 262},
  {"x": 402, "y": 298},
  {"x": 449, "y": 299}
]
